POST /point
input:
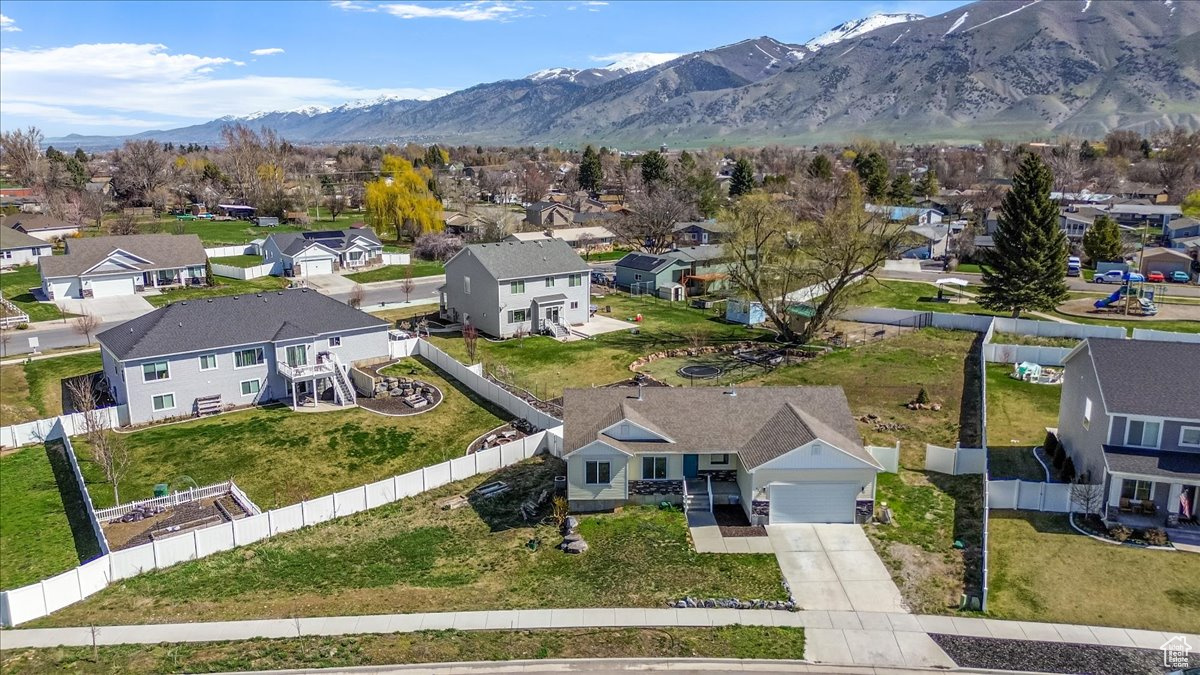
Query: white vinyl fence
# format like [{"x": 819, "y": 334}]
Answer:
[
  {"x": 1151, "y": 334},
  {"x": 20, "y": 605},
  {"x": 12, "y": 315},
  {"x": 226, "y": 251},
  {"x": 31, "y": 433},
  {"x": 183, "y": 497},
  {"x": 243, "y": 273},
  {"x": 397, "y": 259},
  {"x": 979, "y": 324},
  {"x": 1044, "y": 356},
  {"x": 80, "y": 484},
  {"x": 1031, "y": 496},
  {"x": 1041, "y": 328},
  {"x": 955, "y": 461},
  {"x": 889, "y": 457}
]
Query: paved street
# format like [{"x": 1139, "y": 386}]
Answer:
[{"x": 930, "y": 273}]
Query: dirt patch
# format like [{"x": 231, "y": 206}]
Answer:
[
  {"x": 200, "y": 513},
  {"x": 929, "y": 582},
  {"x": 498, "y": 437},
  {"x": 1086, "y": 307},
  {"x": 733, "y": 522}
]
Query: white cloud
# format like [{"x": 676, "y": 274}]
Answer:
[
  {"x": 634, "y": 61},
  {"x": 143, "y": 85},
  {"x": 477, "y": 10},
  {"x": 266, "y": 51},
  {"x": 351, "y": 6},
  {"x": 7, "y": 25}
]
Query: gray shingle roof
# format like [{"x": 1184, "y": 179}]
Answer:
[
  {"x": 1185, "y": 465},
  {"x": 161, "y": 250},
  {"x": 292, "y": 243},
  {"x": 233, "y": 320},
  {"x": 522, "y": 259},
  {"x": 1148, "y": 377},
  {"x": 701, "y": 253},
  {"x": 13, "y": 239},
  {"x": 32, "y": 222},
  {"x": 759, "y": 423}
]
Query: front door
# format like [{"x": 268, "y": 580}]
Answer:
[
  {"x": 552, "y": 314},
  {"x": 691, "y": 466}
]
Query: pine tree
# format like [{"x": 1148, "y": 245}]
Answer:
[
  {"x": 872, "y": 171},
  {"x": 654, "y": 167},
  {"x": 928, "y": 187},
  {"x": 820, "y": 168},
  {"x": 1026, "y": 269},
  {"x": 742, "y": 180},
  {"x": 900, "y": 191},
  {"x": 1086, "y": 152},
  {"x": 591, "y": 173},
  {"x": 1102, "y": 241},
  {"x": 1146, "y": 148}
]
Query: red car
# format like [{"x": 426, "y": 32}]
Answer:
[{"x": 1156, "y": 277}]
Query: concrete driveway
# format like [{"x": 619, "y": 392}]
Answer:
[
  {"x": 834, "y": 567},
  {"x": 329, "y": 283},
  {"x": 114, "y": 308}
]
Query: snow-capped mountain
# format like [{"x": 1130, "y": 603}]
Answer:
[
  {"x": 857, "y": 27},
  {"x": 624, "y": 65}
]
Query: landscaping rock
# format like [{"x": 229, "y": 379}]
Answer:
[
  {"x": 572, "y": 537},
  {"x": 577, "y": 547}
]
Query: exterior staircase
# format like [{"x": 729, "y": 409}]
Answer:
[
  {"x": 341, "y": 384},
  {"x": 558, "y": 330},
  {"x": 695, "y": 496}
]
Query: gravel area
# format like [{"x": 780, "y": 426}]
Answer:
[
  {"x": 1049, "y": 657},
  {"x": 733, "y": 522},
  {"x": 477, "y": 444}
]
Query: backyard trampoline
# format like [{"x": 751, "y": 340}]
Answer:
[{"x": 700, "y": 371}]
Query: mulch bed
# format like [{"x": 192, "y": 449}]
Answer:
[
  {"x": 733, "y": 522},
  {"x": 1049, "y": 657},
  {"x": 392, "y": 405}
]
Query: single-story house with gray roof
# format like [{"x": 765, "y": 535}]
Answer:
[
  {"x": 42, "y": 226},
  {"x": 198, "y": 356},
  {"x": 302, "y": 254},
  {"x": 97, "y": 267},
  {"x": 513, "y": 286},
  {"x": 695, "y": 267},
  {"x": 784, "y": 454},
  {"x": 18, "y": 248}
]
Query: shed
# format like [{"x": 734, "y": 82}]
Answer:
[{"x": 745, "y": 311}]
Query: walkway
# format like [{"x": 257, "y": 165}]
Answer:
[
  {"x": 860, "y": 638},
  {"x": 707, "y": 537}
]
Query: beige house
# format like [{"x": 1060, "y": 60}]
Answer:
[
  {"x": 590, "y": 239},
  {"x": 97, "y": 267},
  {"x": 784, "y": 454}
]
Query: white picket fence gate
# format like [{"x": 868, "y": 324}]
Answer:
[
  {"x": 1031, "y": 496},
  {"x": 30, "y": 433},
  {"x": 955, "y": 461},
  {"x": 183, "y": 497}
]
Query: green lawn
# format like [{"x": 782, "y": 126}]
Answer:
[
  {"x": 224, "y": 286},
  {"x": 915, "y": 296},
  {"x": 605, "y": 256},
  {"x": 1165, "y": 324},
  {"x": 219, "y": 233},
  {"x": 1034, "y": 340},
  {"x": 445, "y": 646},
  {"x": 1042, "y": 570},
  {"x": 420, "y": 268},
  {"x": 33, "y": 391},
  {"x": 1018, "y": 414},
  {"x": 413, "y": 556},
  {"x": 35, "y": 535},
  {"x": 15, "y": 286},
  {"x": 282, "y": 457},
  {"x": 242, "y": 261}
]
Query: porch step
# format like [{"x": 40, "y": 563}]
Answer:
[{"x": 1190, "y": 535}]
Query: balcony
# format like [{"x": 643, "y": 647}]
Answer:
[{"x": 306, "y": 371}]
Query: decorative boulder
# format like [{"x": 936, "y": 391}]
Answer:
[
  {"x": 576, "y": 547},
  {"x": 572, "y": 537}
]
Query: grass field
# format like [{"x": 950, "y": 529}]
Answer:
[
  {"x": 413, "y": 556},
  {"x": 1042, "y": 570},
  {"x": 33, "y": 390},
  {"x": 217, "y": 233},
  {"x": 242, "y": 261},
  {"x": 420, "y": 268},
  {"x": 605, "y": 256},
  {"x": 15, "y": 286},
  {"x": 1018, "y": 414},
  {"x": 35, "y": 536},
  {"x": 446, "y": 646},
  {"x": 224, "y": 286},
  {"x": 282, "y": 457},
  {"x": 916, "y": 296}
]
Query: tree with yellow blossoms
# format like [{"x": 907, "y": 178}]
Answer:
[{"x": 400, "y": 202}]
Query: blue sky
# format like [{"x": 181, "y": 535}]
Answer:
[{"x": 124, "y": 67}]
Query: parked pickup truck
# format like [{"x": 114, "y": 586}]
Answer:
[{"x": 1117, "y": 277}]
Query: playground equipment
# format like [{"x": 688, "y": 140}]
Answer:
[{"x": 1134, "y": 285}]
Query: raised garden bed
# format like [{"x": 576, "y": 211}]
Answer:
[{"x": 172, "y": 521}]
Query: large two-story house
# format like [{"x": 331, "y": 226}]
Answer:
[
  {"x": 1130, "y": 419},
  {"x": 199, "y": 356},
  {"x": 784, "y": 454},
  {"x": 302, "y": 254},
  {"x": 539, "y": 286},
  {"x": 97, "y": 267}
]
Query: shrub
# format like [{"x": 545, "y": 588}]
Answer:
[
  {"x": 1155, "y": 537},
  {"x": 922, "y": 397},
  {"x": 1067, "y": 473},
  {"x": 1119, "y": 533},
  {"x": 437, "y": 246},
  {"x": 22, "y": 326},
  {"x": 559, "y": 512},
  {"x": 1050, "y": 445},
  {"x": 1060, "y": 458}
]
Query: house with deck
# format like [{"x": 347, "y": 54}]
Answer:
[
  {"x": 1129, "y": 417},
  {"x": 674, "y": 274},
  {"x": 98, "y": 267},
  {"x": 784, "y": 454},
  {"x": 511, "y": 287},
  {"x": 204, "y": 356},
  {"x": 302, "y": 254}
]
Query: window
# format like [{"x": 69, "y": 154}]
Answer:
[
  {"x": 637, "y": 277},
  {"x": 549, "y": 282},
  {"x": 335, "y": 341},
  {"x": 575, "y": 280},
  {"x": 1190, "y": 436},
  {"x": 251, "y": 387},
  {"x": 574, "y": 304},
  {"x": 1137, "y": 489},
  {"x": 597, "y": 473},
  {"x": 158, "y": 370},
  {"x": 208, "y": 362},
  {"x": 516, "y": 287},
  {"x": 164, "y": 402},
  {"x": 722, "y": 458},
  {"x": 248, "y": 357},
  {"x": 1087, "y": 413},
  {"x": 517, "y": 315},
  {"x": 297, "y": 355},
  {"x": 1143, "y": 433},
  {"x": 467, "y": 285},
  {"x": 654, "y": 468}
]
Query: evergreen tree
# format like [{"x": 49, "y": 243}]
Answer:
[
  {"x": 742, "y": 180},
  {"x": 654, "y": 168},
  {"x": 81, "y": 155},
  {"x": 928, "y": 187},
  {"x": 591, "y": 173},
  {"x": 1026, "y": 269},
  {"x": 687, "y": 163},
  {"x": 872, "y": 171},
  {"x": 820, "y": 168},
  {"x": 1146, "y": 148},
  {"x": 1086, "y": 152},
  {"x": 1102, "y": 241},
  {"x": 901, "y": 189}
]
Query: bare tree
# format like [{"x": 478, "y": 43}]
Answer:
[
  {"x": 21, "y": 152},
  {"x": 86, "y": 324},
  {"x": 5, "y": 336},
  {"x": 1086, "y": 495},
  {"x": 106, "y": 448},
  {"x": 655, "y": 214},
  {"x": 470, "y": 340},
  {"x": 357, "y": 295},
  {"x": 123, "y": 224},
  {"x": 141, "y": 171},
  {"x": 407, "y": 284},
  {"x": 587, "y": 242}
]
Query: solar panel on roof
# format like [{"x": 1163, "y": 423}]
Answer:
[{"x": 640, "y": 262}]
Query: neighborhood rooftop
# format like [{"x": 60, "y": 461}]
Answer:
[
  {"x": 291, "y": 243},
  {"x": 1148, "y": 377},
  {"x": 158, "y": 250},
  {"x": 233, "y": 320},
  {"x": 758, "y": 423},
  {"x": 12, "y": 238},
  {"x": 519, "y": 259}
]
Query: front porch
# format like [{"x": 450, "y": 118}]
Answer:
[
  {"x": 1142, "y": 502},
  {"x": 150, "y": 281}
]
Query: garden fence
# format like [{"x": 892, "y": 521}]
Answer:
[
  {"x": 243, "y": 273},
  {"x": 182, "y": 497},
  {"x": 956, "y": 461},
  {"x": 30, "y": 433},
  {"x": 1030, "y": 496}
]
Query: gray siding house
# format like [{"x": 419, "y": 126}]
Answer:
[
  {"x": 202, "y": 356},
  {"x": 1130, "y": 418},
  {"x": 301, "y": 254},
  {"x": 695, "y": 267},
  {"x": 18, "y": 248},
  {"x": 784, "y": 454},
  {"x": 538, "y": 286},
  {"x": 97, "y": 267}
]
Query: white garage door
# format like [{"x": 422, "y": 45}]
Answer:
[
  {"x": 65, "y": 289},
  {"x": 106, "y": 288},
  {"x": 311, "y": 267},
  {"x": 813, "y": 502}
]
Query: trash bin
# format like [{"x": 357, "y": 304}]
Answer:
[{"x": 160, "y": 490}]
